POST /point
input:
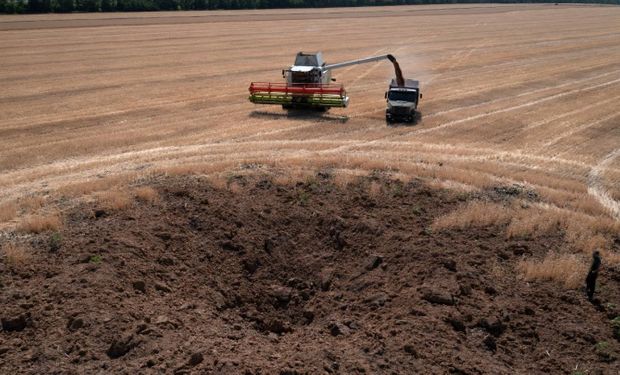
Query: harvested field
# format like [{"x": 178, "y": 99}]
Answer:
[
  {"x": 513, "y": 93},
  {"x": 102, "y": 115}
]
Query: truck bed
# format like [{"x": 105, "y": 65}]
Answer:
[{"x": 409, "y": 84}]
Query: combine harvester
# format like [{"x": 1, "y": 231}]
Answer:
[{"x": 308, "y": 85}]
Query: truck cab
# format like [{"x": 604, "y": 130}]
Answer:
[{"x": 402, "y": 101}]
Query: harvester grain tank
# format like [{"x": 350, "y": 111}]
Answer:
[{"x": 308, "y": 83}]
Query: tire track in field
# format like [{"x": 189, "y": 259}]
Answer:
[
  {"x": 525, "y": 93},
  {"x": 494, "y": 152},
  {"x": 493, "y": 101},
  {"x": 504, "y": 65},
  {"x": 571, "y": 113},
  {"x": 172, "y": 152},
  {"x": 597, "y": 189},
  {"x": 130, "y": 161},
  {"x": 577, "y": 129},
  {"x": 513, "y": 108}
]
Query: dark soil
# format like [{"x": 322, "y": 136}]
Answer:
[{"x": 305, "y": 279}]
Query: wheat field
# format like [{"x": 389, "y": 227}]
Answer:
[{"x": 524, "y": 94}]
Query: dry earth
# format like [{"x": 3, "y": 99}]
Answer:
[
  {"x": 309, "y": 278},
  {"x": 513, "y": 94}
]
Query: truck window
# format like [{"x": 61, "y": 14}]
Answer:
[{"x": 407, "y": 96}]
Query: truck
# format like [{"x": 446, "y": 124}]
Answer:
[{"x": 402, "y": 100}]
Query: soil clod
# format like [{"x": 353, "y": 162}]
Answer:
[
  {"x": 162, "y": 287},
  {"x": 75, "y": 323},
  {"x": 122, "y": 346},
  {"x": 15, "y": 324},
  {"x": 373, "y": 262},
  {"x": 139, "y": 285},
  {"x": 438, "y": 297}
]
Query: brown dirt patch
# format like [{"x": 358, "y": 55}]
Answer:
[{"x": 299, "y": 279}]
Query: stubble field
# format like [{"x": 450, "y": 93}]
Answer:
[{"x": 512, "y": 94}]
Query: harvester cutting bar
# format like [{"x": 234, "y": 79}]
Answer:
[
  {"x": 306, "y": 89},
  {"x": 321, "y": 95}
]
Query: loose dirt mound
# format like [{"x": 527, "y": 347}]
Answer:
[{"x": 310, "y": 278}]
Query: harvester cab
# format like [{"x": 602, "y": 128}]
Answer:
[{"x": 309, "y": 68}]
